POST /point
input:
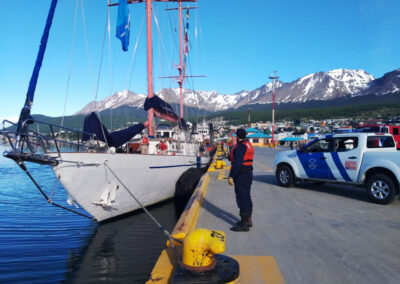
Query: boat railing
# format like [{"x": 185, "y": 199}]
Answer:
[{"x": 48, "y": 138}]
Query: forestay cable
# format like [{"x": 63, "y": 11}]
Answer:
[
  {"x": 134, "y": 53},
  {"x": 95, "y": 89},
  {"x": 70, "y": 62},
  {"x": 88, "y": 53},
  {"x": 110, "y": 74}
]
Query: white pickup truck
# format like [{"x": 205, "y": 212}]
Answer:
[{"x": 363, "y": 159}]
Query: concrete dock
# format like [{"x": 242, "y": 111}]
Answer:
[{"x": 305, "y": 234}]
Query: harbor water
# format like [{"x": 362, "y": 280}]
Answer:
[{"x": 41, "y": 243}]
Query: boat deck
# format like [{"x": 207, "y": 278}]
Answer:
[{"x": 305, "y": 234}]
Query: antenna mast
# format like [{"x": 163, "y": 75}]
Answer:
[
  {"x": 181, "y": 76},
  {"x": 181, "y": 67}
]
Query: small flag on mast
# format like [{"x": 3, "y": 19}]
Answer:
[
  {"x": 123, "y": 23},
  {"x": 186, "y": 42}
]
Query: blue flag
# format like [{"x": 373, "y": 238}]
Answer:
[{"x": 123, "y": 20}]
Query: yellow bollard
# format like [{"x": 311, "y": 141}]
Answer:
[
  {"x": 202, "y": 261},
  {"x": 219, "y": 164},
  {"x": 199, "y": 248}
]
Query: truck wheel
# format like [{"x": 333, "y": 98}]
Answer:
[
  {"x": 381, "y": 189},
  {"x": 285, "y": 176}
]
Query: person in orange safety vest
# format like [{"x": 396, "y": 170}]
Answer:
[
  {"x": 163, "y": 147},
  {"x": 241, "y": 175},
  {"x": 144, "y": 145}
]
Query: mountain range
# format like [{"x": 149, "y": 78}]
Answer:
[{"x": 313, "y": 88}]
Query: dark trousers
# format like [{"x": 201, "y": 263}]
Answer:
[{"x": 242, "y": 189}]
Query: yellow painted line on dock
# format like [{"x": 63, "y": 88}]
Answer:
[
  {"x": 222, "y": 176},
  {"x": 164, "y": 269},
  {"x": 188, "y": 219},
  {"x": 258, "y": 269},
  {"x": 166, "y": 263},
  {"x": 253, "y": 269}
]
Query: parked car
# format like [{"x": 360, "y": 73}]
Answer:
[{"x": 363, "y": 159}]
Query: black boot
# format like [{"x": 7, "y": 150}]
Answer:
[
  {"x": 243, "y": 225},
  {"x": 249, "y": 221}
]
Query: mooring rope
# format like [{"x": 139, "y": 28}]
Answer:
[{"x": 163, "y": 230}]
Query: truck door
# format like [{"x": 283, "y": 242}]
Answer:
[
  {"x": 345, "y": 158},
  {"x": 313, "y": 159}
]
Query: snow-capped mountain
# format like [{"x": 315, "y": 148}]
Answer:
[
  {"x": 124, "y": 98},
  {"x": 320, "y": 86},
  {"x": 211, "y": 101},
  {"x": 387, "y": 84},
  {"x": 317, "y": 86}
]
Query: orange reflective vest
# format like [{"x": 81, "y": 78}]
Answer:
[
  {"x": 248, "y": 155},
  {"x": 163, "y": 146}
]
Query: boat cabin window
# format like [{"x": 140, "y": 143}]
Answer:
[{"x": 162, "y": 134}]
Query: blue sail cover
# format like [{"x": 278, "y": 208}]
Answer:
[
  {"x": 123, "y": 24},
  {"x": 93, "y": 125},
  {"x": 163, "y": 110},
  {"x": 26, "y": 110},
  {"x": 120, "y": 137}
]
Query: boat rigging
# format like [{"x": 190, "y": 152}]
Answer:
[{"x": 83, "y": 168}]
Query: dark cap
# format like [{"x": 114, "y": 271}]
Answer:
[{"x": 241, "y": 133}]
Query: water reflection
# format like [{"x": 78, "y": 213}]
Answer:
[
  {"x": 41, "y": 243},
  {"x": 123, "y": 250}
]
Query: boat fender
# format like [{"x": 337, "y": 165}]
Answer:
[
  {"x": 202, "y": 261},
  {"x": 185, "y": 187}
]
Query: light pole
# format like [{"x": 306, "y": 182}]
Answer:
[{"x": 273, "y": 77}]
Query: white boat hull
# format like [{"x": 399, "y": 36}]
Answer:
[{"x": 149, "y": 178}]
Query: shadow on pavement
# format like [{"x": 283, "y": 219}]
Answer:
[
  {"x": 347, "y": 191},
  {"x": 220, "y": 213},
  {"x": 266, "y": 178}
]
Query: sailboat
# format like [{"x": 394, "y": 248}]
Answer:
[{"x": 103, "y": 182}]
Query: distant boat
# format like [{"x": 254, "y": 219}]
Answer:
[{"x": 102, "y": 181}]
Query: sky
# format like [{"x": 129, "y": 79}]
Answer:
[{"x": 236, "y": 44}]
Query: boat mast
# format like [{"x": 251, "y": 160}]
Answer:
[
  {"x": 150, "y": 53},
  {"x": 180, "y": 82},
  {"x": 149, "y": 63},
  {"x": 181, "y": 66}
]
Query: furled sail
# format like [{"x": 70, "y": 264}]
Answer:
[
  {"x": 93, "y": 125},
  {"x": 26, "y": 110},
  {"x": 163, "y": 110}
]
